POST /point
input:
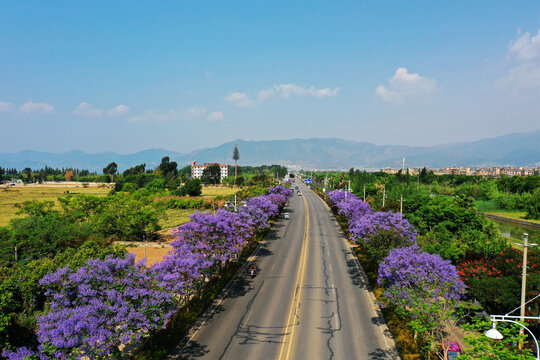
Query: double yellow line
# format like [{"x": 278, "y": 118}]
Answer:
[{"x": 293, "y": 312}]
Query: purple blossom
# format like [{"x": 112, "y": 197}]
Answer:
[
  {"x": 349, "y": 206},
  {"x": 408, "y": 274},
  {"x": 21, "y": 353},
  {"x": 265, "y": 204},
  {"x": 371, "y": 224},
  {"x": 100, "y": 306},
  {"x": 281, "y": 190},
  {"x": 218, "y": 235}
]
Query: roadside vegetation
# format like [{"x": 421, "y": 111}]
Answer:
[
  {"x": 60, "y": 243},
  {"x": 440, "y": 266}
]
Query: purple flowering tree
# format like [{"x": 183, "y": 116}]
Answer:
[
  {"x": 424, "y": 288},
  {"x": 350, "y": 206},
  {"x": 381, "y": 231},
  {"x": 263, "y": 203},
  {"x": 97, "y": 308},
  {"x": 181, "y": 270},
  {"x": 281, "y": 190},
  {"x": 217, "y": 235}
]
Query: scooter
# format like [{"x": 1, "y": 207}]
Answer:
[{"x": 252, "y": 271}]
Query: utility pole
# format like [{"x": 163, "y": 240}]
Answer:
[
  {"x": 401, "y": 205},
  {"x": 15, "y": 254},
  {"x": 524, "y": 281},
  {"x": 384, "y": 195}
]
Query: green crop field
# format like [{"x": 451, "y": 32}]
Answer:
[
  {"x": 176, "y": 217},
  {"x": 17, "y": 194}
]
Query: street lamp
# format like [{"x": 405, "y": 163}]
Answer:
[
  {"x": 235, "y": 203},
  {"x": 493, "y": 333}
]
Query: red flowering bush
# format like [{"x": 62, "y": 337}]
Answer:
[{"x": 496, "y": 283}]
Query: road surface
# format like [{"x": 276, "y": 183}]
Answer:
[{"x": 308, "y": 300}]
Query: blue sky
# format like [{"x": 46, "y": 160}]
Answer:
[{"x": 182, "y": 75}]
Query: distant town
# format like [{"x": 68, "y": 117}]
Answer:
[{"x": 485, "y": 172}]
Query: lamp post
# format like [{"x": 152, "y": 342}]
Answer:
[{"x": 493, "y": 333}]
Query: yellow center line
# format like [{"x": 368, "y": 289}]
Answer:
[{"x": 299, "y": 283}]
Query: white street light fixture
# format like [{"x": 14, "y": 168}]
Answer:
[{"x": 493, "y": 333}]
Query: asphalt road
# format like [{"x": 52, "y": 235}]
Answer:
[{"x": 308, "y": 300}]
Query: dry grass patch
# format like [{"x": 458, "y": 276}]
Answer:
[
  {"x": 213, "y": 191},
  {"x": 19, "y": 194},
  {"x": 154, "y": 253}
]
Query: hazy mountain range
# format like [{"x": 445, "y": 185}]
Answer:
[{"x": 522, "y": 149}]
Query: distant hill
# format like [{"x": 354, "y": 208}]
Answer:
[{"x": 521, "y": 149}]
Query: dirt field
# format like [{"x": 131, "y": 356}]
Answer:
[{"x": 154, "y": 253}]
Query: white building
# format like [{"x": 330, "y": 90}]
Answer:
[{"x": 197, "y": 170}]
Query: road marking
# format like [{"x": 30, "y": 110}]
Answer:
[{"x": 299, "y": 283}]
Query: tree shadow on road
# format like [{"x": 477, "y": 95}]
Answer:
[
  {"x": 355, "y": 272},
  {"x": 241, "y": 286},
  {"x": 191, "y": 351},
  {"x": 380, "y": 354}
]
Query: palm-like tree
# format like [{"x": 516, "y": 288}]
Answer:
[{"x": 236, "y": 156}]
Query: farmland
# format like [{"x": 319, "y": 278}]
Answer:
[{"x": 9, "y": 196}]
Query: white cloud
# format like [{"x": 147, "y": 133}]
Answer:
[
  {"x": 118, "y": 111},
  {"x": 193, "y": 113},
  {"x": 525, "y": 48},
  {"x": 284, "y": 91},
  {"x": 240, "y": 100},
  {"x": 288, "y": 91},
  {"x": 32, "y": 108},
  {"x": 215, "y": 116},
  {"x": 404, "y": 85},
  {"x": 524, "y": 51},
  {"x": 6, "y": 107},
  {"x": 88, "y": 110}
]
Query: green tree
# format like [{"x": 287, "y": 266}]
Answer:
[
  {"x": 135, "y": 170},
  {"x": 211, "y": 175},
  {"x": 236, "y": 157},
  {"x": 110, "y": 170},
  {"x": 27, "y": 174},
  {"x": 168, "y": 168},
  {"x": 533, "y": 205},
  {"x": 192, "y": 187}
]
